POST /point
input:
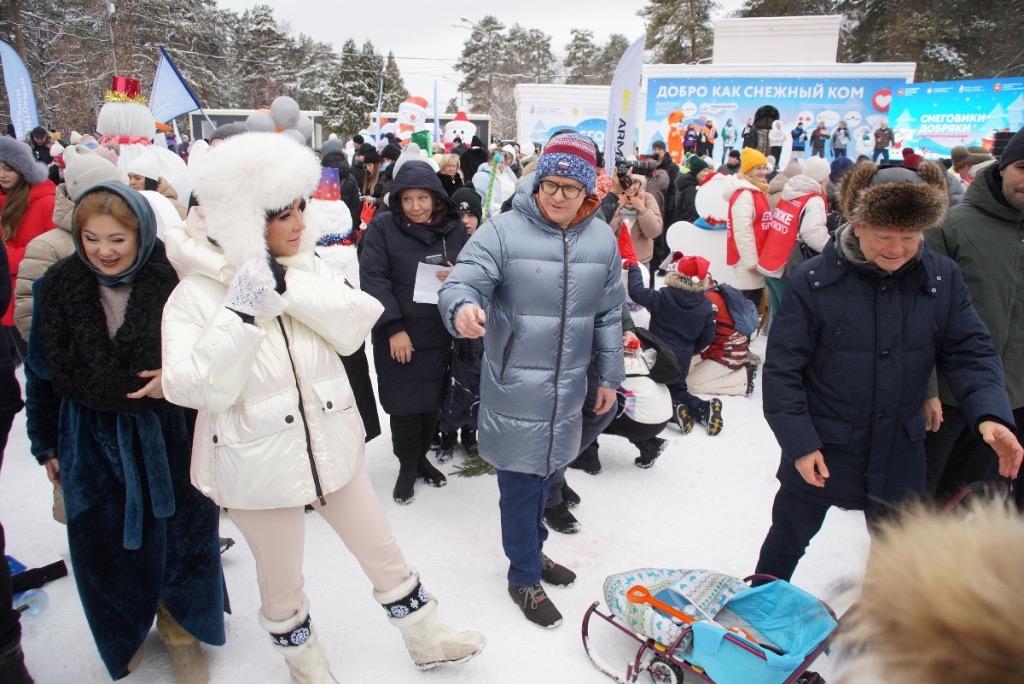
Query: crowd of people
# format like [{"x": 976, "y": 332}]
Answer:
[{"x": 175, "y": 368}]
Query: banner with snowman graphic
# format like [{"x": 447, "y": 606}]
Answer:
[
  {"x": 935, "y": 117},
  {"x": 673, "y": 103}
]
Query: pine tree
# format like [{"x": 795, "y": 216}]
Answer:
[
  {"x": 259, "y": 53},
  {"x": 582, "y": 61},
  {"x": 611, "y": 53},
  {"x": 787, "y": 8},
  {"x": 480, "y": 54},
  {"x": 530, "y": 58},
  {"x": 932, "y": 33},
  {"x": 353, "y": 98},
  {"x": 395, "y": 92},
  {"x": 679, "y": 31}
]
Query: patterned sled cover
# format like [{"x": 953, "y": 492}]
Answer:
[{"x": 778, "y": 613}]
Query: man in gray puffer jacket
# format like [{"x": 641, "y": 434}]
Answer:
[{"x": 548, "y": 275}]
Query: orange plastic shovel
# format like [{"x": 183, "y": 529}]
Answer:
[{"x": 640, "y": 594}]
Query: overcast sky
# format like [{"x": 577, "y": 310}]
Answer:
[{"x": 423, "y": 39}]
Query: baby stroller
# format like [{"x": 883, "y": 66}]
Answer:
[{"x": 706, "y": 626}]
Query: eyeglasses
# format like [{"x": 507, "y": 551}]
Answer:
[{"x": 568, "y": 191}]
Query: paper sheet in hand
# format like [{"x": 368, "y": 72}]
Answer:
[{"x": 427, "y": 283}]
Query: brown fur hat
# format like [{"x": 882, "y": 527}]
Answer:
[
  {"x": 942, "y": 599},
  {"x": 895, "y": 198}
]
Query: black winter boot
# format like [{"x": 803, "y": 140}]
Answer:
[
  {"x": 446, "y": 449},
  {"x": 12, "y": 663},
  {"x": 560, "y": 519},
  {"x": 429, "y": 474},
  {"x": 408, "y": 471},
  {"x": 650, "y": 450},
  {"x": 710, "y": 415},
  {"x": 588, "y": 461},
  {"x": 751, "y": 375},
  {"x": 569, "y": 495},
  {"x": 469, "y": 443}
]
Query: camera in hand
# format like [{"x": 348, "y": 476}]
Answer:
[{"x": 643, "y": 167}]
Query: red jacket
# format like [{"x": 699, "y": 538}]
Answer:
[
  {"x": 37, "y": 220},
  {"x": 729, "y": 347}
]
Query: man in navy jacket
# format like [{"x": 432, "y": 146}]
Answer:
[{"x": 849, "y": 358}]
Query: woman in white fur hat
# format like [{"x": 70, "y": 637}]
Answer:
[{"x": 252, "y": 338}]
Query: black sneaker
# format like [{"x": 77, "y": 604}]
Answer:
[
  {"x": 446, "y": 449},
  {"x": 714, "y": 422},
  {"x": 536, "y": 605},
  {"x": 556, "y": 575},
  {"x": 751, "y": 374},
  {"x": 682, "y": 419},
  {"x": 429, "y": 474},
  {"x": 588, "y": 461},
  {"x": 650, "y": 450},
  {"x": 560, "y": 519},
  {"x": 226, "y": 543},
  {"x": 569, "y": 495}
]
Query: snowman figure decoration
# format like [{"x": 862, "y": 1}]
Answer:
[
  {"x": 460, "y": 127},
  {"x": 412, "y": 117},
  {"x": 126, "y": 120}
]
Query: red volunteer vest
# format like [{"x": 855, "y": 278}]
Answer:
[
  {"x": 762, "y": 212},
  {"x": 783, "y": 228}
]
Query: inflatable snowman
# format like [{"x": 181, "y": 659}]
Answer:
[
  {"x": 126, "y": 120},
  {"x": 460, "y": 127},
  {"x": 412, "y": 117}
]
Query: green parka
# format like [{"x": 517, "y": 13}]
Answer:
[{"x": 985, "y": 236}]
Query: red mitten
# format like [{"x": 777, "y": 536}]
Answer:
[
  {"x": 629, "y": 263},
  {"x": 626, "y": 250}
]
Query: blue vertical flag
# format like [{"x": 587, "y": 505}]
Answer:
[
  {"x": 380, "y": 105},
  {"x": 171, "y": 96},
  {"x": 19, "y": 92},
  {"x": 437, "y": 120}
]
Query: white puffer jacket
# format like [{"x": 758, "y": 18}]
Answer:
[{"x": 278, "y": 424}]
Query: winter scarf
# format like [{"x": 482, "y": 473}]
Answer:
[{"x": 87, "y": 365}]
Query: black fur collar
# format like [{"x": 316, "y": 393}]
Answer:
[{"x": 85, "y": 363}]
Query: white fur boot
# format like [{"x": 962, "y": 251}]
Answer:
[
  {"x": 297, "y": 641},
  {"x": 429, "y": 642}
]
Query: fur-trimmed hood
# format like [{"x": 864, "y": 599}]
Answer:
[
  {"x": 896, "y": 198},
  {"x": 682, "y": 282},
  {"x": 243, "y": 178},
  {"x": 19, "y": 157}
]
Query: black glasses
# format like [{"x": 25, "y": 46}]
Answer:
[{"x": 568, "y": 191}]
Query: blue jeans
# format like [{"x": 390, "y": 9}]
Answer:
[
  {"x": 880, "y": 151},
  {"x": 521, "y": 502}
]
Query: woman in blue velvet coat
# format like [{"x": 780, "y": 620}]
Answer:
[{"x": 143, "y": 541}]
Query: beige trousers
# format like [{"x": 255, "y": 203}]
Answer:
[{"x": 277, "y": 538}]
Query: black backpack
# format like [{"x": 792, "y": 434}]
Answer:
[{"x": 666, "y": 367}]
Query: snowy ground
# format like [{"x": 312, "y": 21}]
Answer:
[{"x": 705, "y": 504}]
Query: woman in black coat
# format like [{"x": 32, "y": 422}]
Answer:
[{"x": 411, "y": 348}]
